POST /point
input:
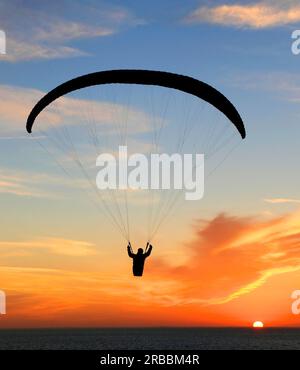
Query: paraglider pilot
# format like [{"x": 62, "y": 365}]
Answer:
[{"x": 139, "y": 258}]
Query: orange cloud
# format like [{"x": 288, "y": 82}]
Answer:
[
  {"x": 234, "y": 256},
  {"x": 258, "y": 15}
]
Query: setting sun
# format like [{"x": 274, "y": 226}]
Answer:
[{"x": 258, "y": 324}]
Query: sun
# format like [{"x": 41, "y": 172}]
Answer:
[{"x": 258, "y": 324}]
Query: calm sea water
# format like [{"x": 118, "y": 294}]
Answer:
[{"x": 155, "y": 339}]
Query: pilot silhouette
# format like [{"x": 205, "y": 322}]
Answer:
[{"x": 139, "y": 258}]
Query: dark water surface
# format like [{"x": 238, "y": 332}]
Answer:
[{"x": 154, "y": 338}]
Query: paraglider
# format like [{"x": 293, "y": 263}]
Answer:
[{"x": 213, "y": 139}]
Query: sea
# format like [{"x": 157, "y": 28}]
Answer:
[{"x": 151, "y": 339}]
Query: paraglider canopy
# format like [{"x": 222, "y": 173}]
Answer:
[{"x": 143, "y": 77}]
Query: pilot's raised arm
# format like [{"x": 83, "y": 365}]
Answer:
[
  {"x": 129, "y": 250},
  {"x": 149, "y": 250}
]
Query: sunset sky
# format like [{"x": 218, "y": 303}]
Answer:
[{"x": 227, "y": 260}]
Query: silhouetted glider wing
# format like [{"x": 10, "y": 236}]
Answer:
[{"x": 143, "y": 77}]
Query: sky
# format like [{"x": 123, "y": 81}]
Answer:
[{"x": 228, "y": 260}]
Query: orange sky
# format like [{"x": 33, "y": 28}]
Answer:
[{"x": 237, "y": 270}]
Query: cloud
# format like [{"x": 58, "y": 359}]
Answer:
[
  {"x": 60, "y": 31},
  {"x": 282, "y": 84},
  {"x": 281, "y": 200},
  {"x": 252, "y": 286},
  {"x": 17, "y": 102},
  {"x": 19, "y": 137},
  {"x": 40, "y": 32},
  {"x": 24, "y": 51},
  {"x": 59, "y": 246},
  {"x": 18, "y": 184},
  {"x": 233, "y": 255},
  {"x": 30, "y": 184},
  {"x": 259, "y": 15}
]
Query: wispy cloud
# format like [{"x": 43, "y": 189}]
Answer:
[
  {"x": 252, "y": 286},
  {"x": 19, "y": 184},
  {"x": 259, "y": 15},
  {"x": 17, "y": 102},
  {"x": 282, "y": 84},
  {"x": 60, "y": 246},
  {"x": 281, "y": 200},
  {"x": 22, "y": 51},
  {"x": 35, "y": 32},
  {"x": 35, "y": 184}
]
